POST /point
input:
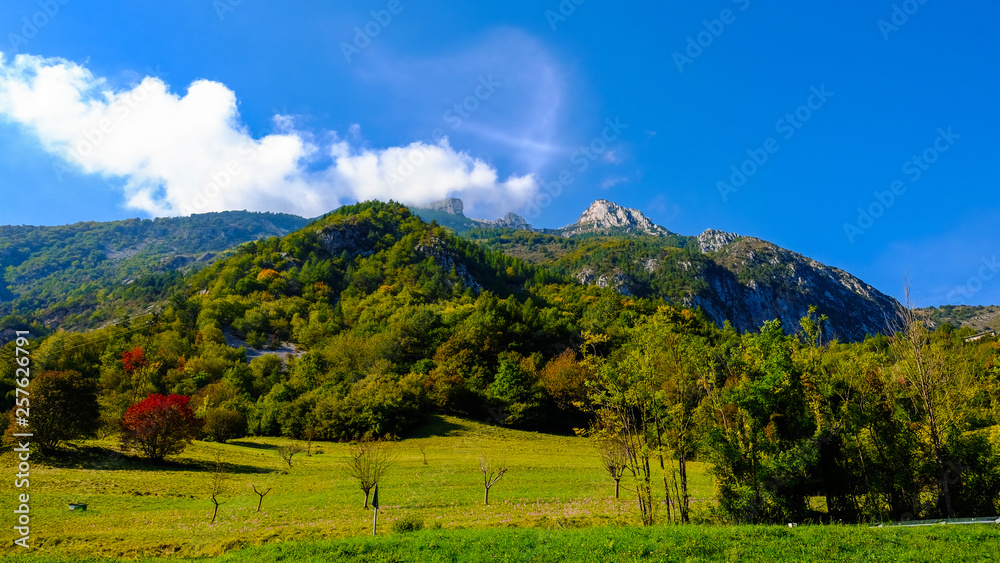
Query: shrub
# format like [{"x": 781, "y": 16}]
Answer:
[
  {"x": 63, "y": 407},
  {"x": 408, "y": 523},
  {"x": 225, "y": 424}
]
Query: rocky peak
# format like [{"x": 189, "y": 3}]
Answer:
[
  {"x": 604, "y": 215},
  {"x": 509, "y": 221},
  {"x": 454, "y": 207},
  {"x": 712, "y": 240},
  {"x": 451, "y": 205}
]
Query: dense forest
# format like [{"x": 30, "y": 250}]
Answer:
[
  {"x": 87, "y": 274},
  {"x": 396, "y": 318}
]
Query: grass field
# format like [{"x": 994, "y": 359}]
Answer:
[
  {"x": 613, "y": 544},
  {"x": 554, "y": 504},
  {"x": 137, "y": 509}
]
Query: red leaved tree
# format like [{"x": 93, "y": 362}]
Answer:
[
  {"x": 133, "y": 360},
  {"x": 159, "y": 426}
]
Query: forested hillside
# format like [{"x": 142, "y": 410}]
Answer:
[
  {"x": 90, "y": 274},
  {"x": 62, "y": 276},
  {"x": 744, "y": 281},
  {"x": 979, "y": 318}
]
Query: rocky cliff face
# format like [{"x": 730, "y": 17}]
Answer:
[
  {"x": 605, "y": 217},
  {"x": 713, "y": 240},
  {"x": 452, "y": 206},
  {"x": 508, "y": 221},
  {"x": 743, "y": 280},
  {"x": 450, "y": 213},
  {"x": 449, "y": 260},
  {"x": 754, "y": 281}
]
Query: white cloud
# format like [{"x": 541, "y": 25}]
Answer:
[
  {"x": 612, "y": 157},
  {"x": 190, "y": 154},
  {"x": 609, "y": 183}
]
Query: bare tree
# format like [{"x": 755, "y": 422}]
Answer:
[
  {"x": 286, "y": 452},
  {"x": 310, "y": 434},
  {"x": 937, "y": 386},
  {"x": 218, "y": 485},
  {"x": 614, "y": 458},
  {"x": 492, "y": 472},
  {"x": 369, "y": 460},
  {"x": 259, "y": 494}
]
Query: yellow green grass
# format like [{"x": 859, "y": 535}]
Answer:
[
  {"x": 137, "y": 509},
  {"x": 554, "y": 505}
]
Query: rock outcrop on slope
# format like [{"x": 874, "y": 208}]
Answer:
[
  {"x": 451, "y": 213},
  {"x": 754, "y": 281},
  {"x": 712, "y": 240},
  {"x": 606, "y": 217}
]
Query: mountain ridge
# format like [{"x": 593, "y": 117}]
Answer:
[
  {"x": 744, "y": 280},
  {"x": 53, "y": 273}
]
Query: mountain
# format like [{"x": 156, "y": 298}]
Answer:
[
  {"x": 89, "y": 273},
  {"x": 743, "y": 280},
  {"x": 751, "y": 281},
  {"x": 607, "y": 218},
  {"x": 979, "y": 318},
  {"x": 59, "y": 274},
  {"x": 450, "y": 213}
]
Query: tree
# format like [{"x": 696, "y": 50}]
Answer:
[
  {"x": 218, "y": 486},
  {"x": 260, "y": 494},
  {"x": 517, "y": 390},
  {"x": 565, "y": 380},
  {"x": 666, "y": 352},
  {"x": 763, "y": 446},
  {"x": 614, "y": 458},
  {"x": 225, "y": 424},
  {"x": 368, "y": 463},
  {"x": 939, "y": 391},
  {"x": 492, "y": 472},
  {"x": 622, "y": 401},
  {"x": 63, "y": 407},
  {"x": 310, "y": 434},
  {"x": 159, "y": 426},
  {"x": 139, "y": 372},
  {"x": 288, "y": 451}
]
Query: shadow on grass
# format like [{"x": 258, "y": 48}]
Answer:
[
  {"x": 435, "y": 425},
  {"x": 248, "y": 444},
  {"x": 107, "y": 459}
]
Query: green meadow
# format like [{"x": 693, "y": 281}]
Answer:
[
  {"x": 139, "y": 509},
  {"x": 554, "y": 504}
]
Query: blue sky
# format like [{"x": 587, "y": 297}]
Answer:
[{"x": 302, "y": 106}]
